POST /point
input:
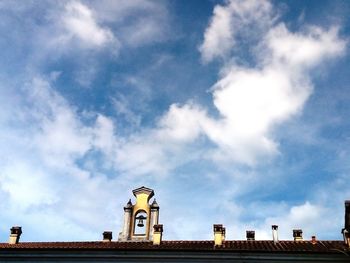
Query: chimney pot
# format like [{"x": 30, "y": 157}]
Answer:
[
  {"x": 15, "y": 235},
  {"x": 107, "y": 236},
  {"x": 250, "y": 235},
  {"x": 298, "y": 234}
]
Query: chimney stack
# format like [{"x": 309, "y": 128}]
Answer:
[
  {"x": 275, "y": 233},
  {"x": 346, "y": 229},
  {"x": 347, "y": 215},
  {"x": 250, "y": 235},
  {"x": 223, "y": 236},
  {"x": 16, "y": 232},
  {"x": 313, "y": 240},
  {"x": 219, "y": 234},
  {"x": 298, "y": 235},
  {"x": 107, "y": 236},
  {"x": 157, "y": 234}
]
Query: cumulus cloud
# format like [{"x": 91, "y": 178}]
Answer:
[{"x": 251, "y": 101}]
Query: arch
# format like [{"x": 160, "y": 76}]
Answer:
[{"x": 140, "y": 223}]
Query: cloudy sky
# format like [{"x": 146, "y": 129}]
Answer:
[{"x": 234, "y": 112}]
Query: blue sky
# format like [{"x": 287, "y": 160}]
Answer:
[{"x": 234, "y": 112}]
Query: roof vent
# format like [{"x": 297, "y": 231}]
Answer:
[
  {"x": 250, "y": 235},
  {"x": 275, "y": 233},
  {"x": 16, "y": 232},
  {"x": 298, "y": 235},
  {"x": 107, "y": 236}
]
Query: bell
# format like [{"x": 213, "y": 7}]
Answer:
[{"x": 140, "y": 223}]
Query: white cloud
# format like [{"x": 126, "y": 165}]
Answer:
[
  {"x": 60, "y": 135},
  {"x": 80, "y": 22},
  {"x": 300, "y": 50},
  {"x": 182, "y": 123},
  {"x": 29, "y": 186},
  {"x": 311, "y": 218},
  {"x": 104, "y": 134},
  {"x": 218, "y": 38},
  {"x": 41, "y": 177},
  {"x": 252, "y": 101},
  {"x": 232, "y": 19}
]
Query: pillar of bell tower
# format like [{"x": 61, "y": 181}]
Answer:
[
  {"x": 125, "y": 234},
  {"x": 154, "y": 217}
]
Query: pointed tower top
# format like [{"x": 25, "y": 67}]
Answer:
[
  {"x": 143, "y": 190},
  {"x": 154, "y": 204},
  {"x": 129, "y": 204}
]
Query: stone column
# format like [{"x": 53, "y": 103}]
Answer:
[
  {"x": 154, "y": 218},
  {"x": 125, "y": 234}
]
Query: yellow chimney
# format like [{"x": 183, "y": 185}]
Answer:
[
  {"x": 219, "y": 234},
  {"x": 157, "y": 234}
]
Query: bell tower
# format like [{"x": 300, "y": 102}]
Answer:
[{"x": 139, "y": 218}]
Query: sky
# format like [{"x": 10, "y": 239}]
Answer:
[{"x": 234, "y": 112}]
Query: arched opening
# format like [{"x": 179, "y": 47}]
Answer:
[{"x": 140, "y": 223}]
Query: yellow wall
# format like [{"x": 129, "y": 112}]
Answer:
[
  {"x": 141, "y": 204},
  {"x": 218, "y": 238}
]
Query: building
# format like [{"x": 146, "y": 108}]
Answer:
[{"x": 141, "y": 241}]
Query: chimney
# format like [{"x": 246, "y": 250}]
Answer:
[
  {"x": 313, "y": 240},
  {"x": 298, "y": 235},
  {"x": 157, "y": 234},
  {"x": 16, "y": 232},
  {"x": 346, "y": 229},
  {"x": 219, "y": 232},
  {"x": 346, "y": 236},
  {"x": 107, "y": 236},
  {"x": 250, "y": 235},
  {"x": 347, "y": 215},
  {"x": 223, "y": 234},
  {"x": 275, "y": 233}
]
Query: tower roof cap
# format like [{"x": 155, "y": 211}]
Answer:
[
  {"x": 154, "y": 204},
  {"x": 143, "y": 190}
]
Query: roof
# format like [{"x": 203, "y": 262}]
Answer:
[{"x": 232, "y": 246}]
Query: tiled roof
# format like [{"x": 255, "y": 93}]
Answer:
[{"x": 238, "y": 246}]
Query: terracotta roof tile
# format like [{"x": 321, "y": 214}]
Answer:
[{"x": 236, "y": 245}]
